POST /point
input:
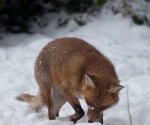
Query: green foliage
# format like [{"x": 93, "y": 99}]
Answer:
[
  {"x": 139, "y": 15},
  {"x": 56, "y": 3},
  {"x": 101, "y": 2},
  {"x": 72, "y": 6},
  {"x": 46, "y": 1},
  {"x": 140, "y": 20},
  {"x": 127, "y": 7},
  {"x": 16, "y": 15},
  {"x": 2, "y": 4},
  {"x": 62, "y": 22},
  {"x": 137, "y": 20},
  {"x": 79, "y": 22},
  {"x": 78, "y": 6}
]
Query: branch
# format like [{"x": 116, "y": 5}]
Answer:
[{"x": 128, "y": 106}]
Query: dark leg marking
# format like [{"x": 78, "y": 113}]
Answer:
[
  {"x": 57, "y": 115},
  {"x": 89, "y": 121},
  {"x": 80, "y": 111},
  {"x": 101, "y": 118}
]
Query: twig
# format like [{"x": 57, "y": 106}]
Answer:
[{"x": 128, "y": 105}]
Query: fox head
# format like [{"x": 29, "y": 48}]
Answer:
[{"x": 100, "y": 93}]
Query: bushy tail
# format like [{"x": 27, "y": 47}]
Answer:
[
  {"x": 35, "y": 101},
  {"x": 25, "y": 98}
]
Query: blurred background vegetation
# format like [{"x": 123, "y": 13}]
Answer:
[{"x": 16, "y": 15}]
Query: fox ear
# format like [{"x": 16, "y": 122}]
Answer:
[
  {"x": 115, "y": 89},
  {"x": 89, "y": 81}
]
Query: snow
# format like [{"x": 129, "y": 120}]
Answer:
[
  {"x": 90, "y": 107},
  {"x": 124, "y": 43}
]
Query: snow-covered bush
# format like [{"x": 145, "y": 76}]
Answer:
[
  {"x": 138, "y": 10},
  {"x": 16, "y": 15}
]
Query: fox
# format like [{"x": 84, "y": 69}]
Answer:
[{"x": 68, "y": 69}]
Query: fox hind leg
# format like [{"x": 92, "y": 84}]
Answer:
[
  {"x": 50, "y": 105},
  {"x": 58, "y": 98}
]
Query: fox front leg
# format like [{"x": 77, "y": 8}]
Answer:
[{"x": 74, "y": 102}]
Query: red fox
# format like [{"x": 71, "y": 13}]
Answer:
[{"x": 70, "y": 68}]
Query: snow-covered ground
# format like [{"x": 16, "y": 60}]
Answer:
[{"x": 124, "y": 43}]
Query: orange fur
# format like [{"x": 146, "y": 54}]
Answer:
[{"x": 69, "y": 68}]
